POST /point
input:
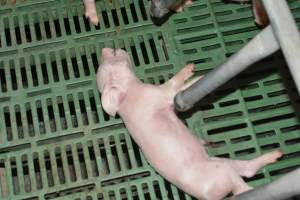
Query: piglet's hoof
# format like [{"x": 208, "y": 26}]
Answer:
[{"x": 92, "y": 17}]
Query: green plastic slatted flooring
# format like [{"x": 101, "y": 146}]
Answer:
[{"x": 57, "y": 143}]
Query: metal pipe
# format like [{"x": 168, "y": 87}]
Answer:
[
  {"x": 262, "y": 45},
  {"x": 286, "y": 33},
  {"x": 285, "y": 187}
]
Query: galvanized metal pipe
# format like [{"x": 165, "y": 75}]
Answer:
[
  {"x": 286, "y": 33},
  {"x": 285, "y": 187},
  {"x": 261, "y": 46}
]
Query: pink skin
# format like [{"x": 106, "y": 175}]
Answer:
[
  {"x": 168, "y": 145},
  {"x": 90, "y": 11},
  {"x": 261, "y": 17},
  {"x": 185, "y": 3}
]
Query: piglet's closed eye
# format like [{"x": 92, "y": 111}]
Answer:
[{"x": 112, "y": 97}]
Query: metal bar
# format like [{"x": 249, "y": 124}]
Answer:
[
  {"x": 262, "y": 45},
  {"x": 285, "y": 187},
  {"x": 286, "y": 33}
]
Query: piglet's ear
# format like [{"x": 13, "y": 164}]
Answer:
[{"x": 111, "y": 99}]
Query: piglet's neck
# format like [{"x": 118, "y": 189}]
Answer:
[{"x": 129, "y": 82}]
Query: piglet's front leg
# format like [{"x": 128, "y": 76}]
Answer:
[
  {"x": 178, "y": 81},
  {"x": 90, "y": 11}
]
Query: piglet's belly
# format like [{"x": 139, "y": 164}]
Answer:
[{"x": 171, "y": 152}]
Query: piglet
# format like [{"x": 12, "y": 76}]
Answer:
[
  {"x": 90, "y": 11},
  {"x": 261, "y": 16},
  {"x": 169, "y": 146},
  {"x": 159, "y": 8}
]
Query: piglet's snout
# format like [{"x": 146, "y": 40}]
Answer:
[
  {"x": 114, "y": 53},
  {"x": 106, "y": 52}
]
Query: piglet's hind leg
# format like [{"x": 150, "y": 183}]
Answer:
[
  {"x": 248, "y": 168},
  {"x": 222, "y": 179}
]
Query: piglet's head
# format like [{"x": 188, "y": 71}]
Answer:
[{"x": 113, "y": 78}]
